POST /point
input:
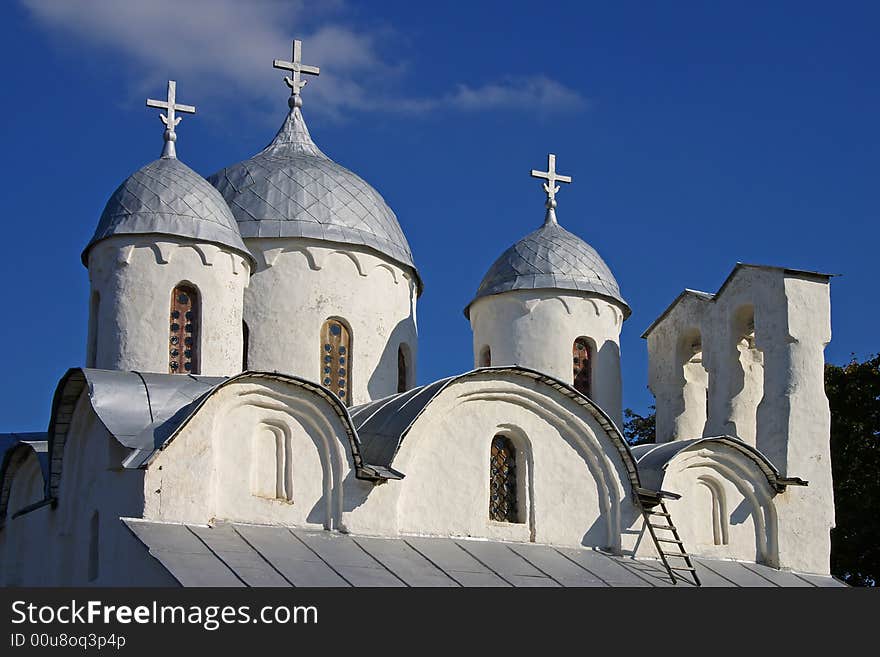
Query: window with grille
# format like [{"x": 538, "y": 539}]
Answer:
[
  {"x": 401, "y": 368},
  {"x": 502, "y": 481},
  {"x": 336, "y": 359},
  {"x": 582, "y": 365},
  {"x": 183, "y": 333}
]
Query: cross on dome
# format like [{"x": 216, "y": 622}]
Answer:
[
  {"x": 295, "y": 82},
  {"x": 169, "y": 119},
  {"x": 552, "y": 178}
]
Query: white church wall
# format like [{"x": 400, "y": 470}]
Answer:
[
  {"x": 132, "y": 279},
  {"x": 301, "y": 283},
  {"x": 677, "y": 376},
  {"x": 727, "y": 507},
  {"x": 262, "y": 452},
  {"x": 81, "y": 541},
  {"x": 537, "y": 329},
  {"x": 763, "y": 341},
  {"x": 17, "y": 534},
  {"x": 572, "y": 486}
]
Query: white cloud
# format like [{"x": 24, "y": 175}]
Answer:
[{"x": 225, "y": 48}]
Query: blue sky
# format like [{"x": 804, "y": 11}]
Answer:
[{"x": 698, "y": 135}]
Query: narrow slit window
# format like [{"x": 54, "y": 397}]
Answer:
[
  {"x": 502, "y": 481},
  {"x": 336, "y": 359},
  {"x": 486, "y": 356},
  {"x": 582, "y": 366},
  {"x": 401, "y": 369},
  {"x": 245, "y": 339},
  {"x": 183, "y": 331}
]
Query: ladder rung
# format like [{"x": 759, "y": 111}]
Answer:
[
  {"x": 669, "y": 527},
  {"x": 669, "y": 540},
  {"x": 685, "y": 569},
  {"x": 680, "y": 555},
  {"x": 658, "y": 513}
]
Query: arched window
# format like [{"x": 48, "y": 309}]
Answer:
[
  {"x": 502, "y": 481},
  {"x": 245, "y": 339},
  {"x": 94, "y": 543},
  {"x": 336, "y": 358},
  {"x": 401, "y": 368},
  {"x": 582, "y": 364},
  {"x": 183, "y": 334},
  {"x": 486, "y": 356}
]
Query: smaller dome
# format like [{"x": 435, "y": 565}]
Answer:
[
  {"x": 551, "y": 258},
  {"x": 166, "y": 197}
]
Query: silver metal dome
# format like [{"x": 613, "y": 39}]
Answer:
[
  {"x": 292, "y": 189},
  {"x": 166, "y": 197},
  {"x": 550, "y": 258}
]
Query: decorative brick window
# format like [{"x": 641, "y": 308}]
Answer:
[
  {"x": 336, "y": 359},
  {"x": 183, "y": 331}
]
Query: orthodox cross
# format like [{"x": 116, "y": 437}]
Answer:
[
  {"x": 295, "y": 82},
  {"x": 552, "y": 178},
  {"x": 169, "y": 119}
]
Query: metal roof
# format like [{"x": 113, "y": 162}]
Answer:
[
  {"x": 146, "y": 411},
  {"x": 257, "y": 555},
  {"x": 383, "y": 424},
  {"x": 292, "y": 189},
  {"x": 653, "y": 458},
  {"x": 551, "y": 258},
  {"x": 166, "y": 197},
  {"x": 21, "y": 444}
]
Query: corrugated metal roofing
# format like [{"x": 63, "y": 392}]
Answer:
[{"x": 250, "y": 555}]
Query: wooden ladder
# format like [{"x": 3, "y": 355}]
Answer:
[{"x": 649, "y": 501}]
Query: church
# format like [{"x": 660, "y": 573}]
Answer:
[{"x": 248, "y": 415}]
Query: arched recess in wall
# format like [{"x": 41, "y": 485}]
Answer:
[
  {"x": 582, "y": 356},
  {"x": 336, "y": 355},
  {"x": 403, "y": 367},
  {"x": 719, "y": 519},
  {"x": 691, "y": 421},
  {"x": 184, "y": 330},
  {"x": 485, "y": 356},
  {"x": 747, "y": 375}
]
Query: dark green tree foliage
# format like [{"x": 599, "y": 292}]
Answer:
[
  {"x": 854, "y": 394},
  {"x": 637, "y": 429}
]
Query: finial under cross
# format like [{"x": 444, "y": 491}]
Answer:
[
  {"x": 169, "y": 118},
  {"x": 552, "y": 178},
  {"x": 295, "y": 82}
]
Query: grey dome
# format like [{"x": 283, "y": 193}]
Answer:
[
  {"x": 292, "y": 189},
  {"x": 550, "y": 258},
  {"x": 167, "y": 197}
]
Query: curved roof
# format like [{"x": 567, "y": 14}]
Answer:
[
  {"x": 292, "y": 189},
  {"x": 653, "y": 458},
  {"x": 145, "y": 412},
  {"x": 383, "y": 424},
  {"x": 551, "y": 258},
  {"x": 166, "y": 197}
]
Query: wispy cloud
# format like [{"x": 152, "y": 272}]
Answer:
[{"x": 224, "y": 47}]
